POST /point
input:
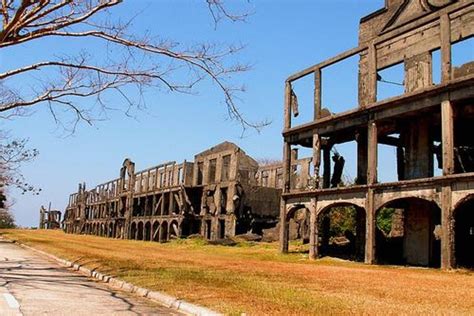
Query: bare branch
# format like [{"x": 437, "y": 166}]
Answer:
[{"x": 139, "y": 62}]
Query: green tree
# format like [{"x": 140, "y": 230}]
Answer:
[{"x": 384, "y": 219}]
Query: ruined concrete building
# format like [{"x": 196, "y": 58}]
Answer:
[
  {"x": 49, "y": 219},
  {"x": 216, "y": 196},
  {"x": 429, "y": 125}
]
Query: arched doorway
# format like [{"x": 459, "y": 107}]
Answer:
[
  {"x": 164, "y": 232},
  {"x": 140, "y": 231},
  {"x": 133, "y": 231},
  {"x": 298, "y": 223},
  {"x": 341, "y": 231},
  {"x": 408, "y": 231},
  {"x": 464, "y": 233},
  {"x": 118, "y": 230},
  {"x": 147, "y": 231}
]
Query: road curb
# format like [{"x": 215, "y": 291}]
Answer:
[{"x": 164, "y": 299}]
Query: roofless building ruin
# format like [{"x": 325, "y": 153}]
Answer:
[
  {"x": 429, "y": 127},
  {"x": 216, "y": 196}
]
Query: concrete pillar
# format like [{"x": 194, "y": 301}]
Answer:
[
  {"x": 286, "y": 188},
  {"x": 372, "y": 153},
  {"x": 445, "y": 38},
  {"x": 448, "y": 259},
  {"x": 284, "y": 228},
  {"x": 370, "y": 255},
  {"x": 447, "y": 135},
  {"x": 317, "y": 94},
  {"x": 313, "y": 230},
  {"x": 316, "y": 159},
  {"x": 163, "y": 204}
]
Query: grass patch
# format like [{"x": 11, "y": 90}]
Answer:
[{"x": 254, "y": 278}]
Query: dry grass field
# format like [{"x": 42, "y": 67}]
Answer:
[{"x": 253, "y": 278}]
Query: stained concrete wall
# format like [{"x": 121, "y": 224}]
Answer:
[{"x": 417, "y": 234}]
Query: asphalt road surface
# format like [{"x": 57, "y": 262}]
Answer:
[{"x": 33, "y": 285}]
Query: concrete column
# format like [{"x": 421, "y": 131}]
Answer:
[
  {"x": 372, "y": 73},
  {"x": 317, "y": 94},
  {"x": 372, "y": 153},
  {"x": 313, "y": 233},
  {"x": 445, "y": 38},
  {"x": 448, "y": 259},
  {"x": 447, "y": 135},
  {"x": 370, "y": 254},
  {"x": 284, "y": 228},
  {"x": 286, "y": 109},
  {"x": 316, "y": 159},
  {"x": 172, "y": 205},
  {"x": 163, "y": 197},
  {"x": 286, "y": 188}
]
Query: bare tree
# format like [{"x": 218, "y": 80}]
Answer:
[{"x": 138, "y": 62}]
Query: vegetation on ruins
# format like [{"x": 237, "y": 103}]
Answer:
[
  {"x": 138, "y": 62},
  {"x": 343, "y": 219},
  {"x": 384, "y": 219}
]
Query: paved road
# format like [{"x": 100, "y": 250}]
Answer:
[{"x": 33, "y": 285}]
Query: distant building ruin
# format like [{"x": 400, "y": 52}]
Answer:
[
  {"x": 216, "y": 196},
  {"x": 49, "y": 219},
  {"x": 429, "y": 125}
]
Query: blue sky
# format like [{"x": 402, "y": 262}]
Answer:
[{"x": 281, "y": 37}]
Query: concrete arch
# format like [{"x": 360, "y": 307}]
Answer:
[
  {"x": 164, "y": 231},
  {"x": 140, "y": 230},
  {"x": 147, "y": 236},
  {"x": 323, "y": 206},
  {"x": 408, "y": 197},
  {"x": 341, "y": 228},
  {"x": 463, "y": 215},
  {"x": 118, "y": 230},
  {"x": 290, "y": 213},
  {"x": 391, "y": 197},
  {"x": 133, "y": 230},
  {"x": 462, "y": 200},
  {"x": 298, "y": 219},
  {"x": 414, "y": 238}
]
